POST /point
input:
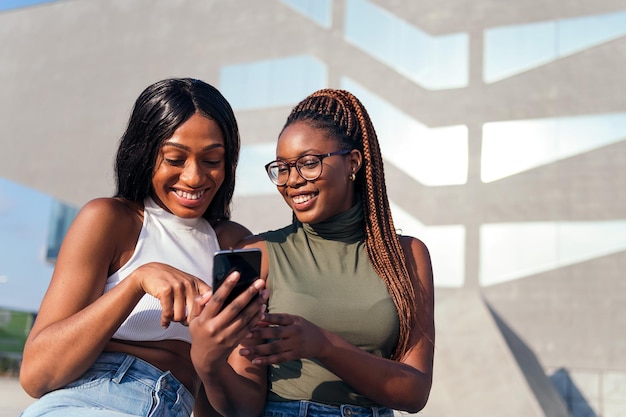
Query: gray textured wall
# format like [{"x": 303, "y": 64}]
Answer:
[{"x": 70, "y": 71}]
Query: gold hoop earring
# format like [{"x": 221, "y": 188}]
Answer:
[{"x": 352, "y": 176}]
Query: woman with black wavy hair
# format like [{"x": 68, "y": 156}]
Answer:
[{"x": 111, "y": 336}]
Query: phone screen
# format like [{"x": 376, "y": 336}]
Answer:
[{"x": 246, "y": 261}]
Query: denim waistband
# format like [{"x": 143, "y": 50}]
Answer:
[
  {"x": 125, "y": 365},
  {"x": 303, "y": 408},
  {"x": 117, "y": 384}
]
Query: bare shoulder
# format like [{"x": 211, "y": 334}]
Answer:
[
  {"x": 104, "y": 230},
  {"x": 230, "y": 233},
  {"x": 112, "y": 209},
  {"x": 413, "y": 247},
  {"x": 108, "y": 224},
  {"x": 252, "y": 241},
  {"x": 418, "y": 260}
]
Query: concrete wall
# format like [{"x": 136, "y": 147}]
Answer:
[{"x": 71, "y": 69}]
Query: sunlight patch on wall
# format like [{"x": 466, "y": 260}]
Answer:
[
  {"x": 509, "y": 251},
  {"x": 320, "y": 11},
  {"x": 272, "y": 82},
  {"x": 432, "y": 156},
  {"x": 433, "y": 62},
  {"x": 251, "y": 176},
  {"x": 446, "y": 245},
  {"x": 512, "y": 147},
  {"x": 511, "y": 50}
]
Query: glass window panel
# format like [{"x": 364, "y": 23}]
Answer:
[
  {"x": 16, "y": 4},
  {"x": 24, "y": 272},
  {"x": 61, "y": 217}
]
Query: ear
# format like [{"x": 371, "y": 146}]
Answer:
[{"x": 356, "y": 160}]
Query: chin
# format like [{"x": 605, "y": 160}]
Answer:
[{"x": 305, "y": 217}]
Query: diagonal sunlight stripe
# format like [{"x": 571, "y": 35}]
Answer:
[
  {"x": 512, "y": 147},
  {"x": 446, "y": 245},
  {"x": 432, "y": 156},
  {"x": 510, "y": 251},
  {"x": 433, "y": 62},
  {"x": 511, "y": 50}
]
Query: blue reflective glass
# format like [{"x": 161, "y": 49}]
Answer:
[{"x": 16, "y": 4}]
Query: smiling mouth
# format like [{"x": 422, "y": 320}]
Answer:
[
  {"x": 302, "y": 198},
  {"x": 190, "y": 196}
]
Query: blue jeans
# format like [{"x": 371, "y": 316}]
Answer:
[
  {"x": 312, "y": 409},
  {"x": 117, "y": 385}
]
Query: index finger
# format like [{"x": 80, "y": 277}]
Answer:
[
  {"x": 220, "y": 294},
  {"x": 194, "y": 298},
  {"x": 203, "y": 287}
]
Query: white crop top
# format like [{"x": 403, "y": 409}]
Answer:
[{"x": 186, "y": 244}]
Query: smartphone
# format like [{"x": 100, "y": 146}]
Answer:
[{"x": 246, "y": 261}]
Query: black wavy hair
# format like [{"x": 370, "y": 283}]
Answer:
[{"x": 158, "y": 111}]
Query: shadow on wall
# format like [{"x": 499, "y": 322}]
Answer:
[
  {"x": 545, "y": 392},
  {"x": 576, "y": 402}
]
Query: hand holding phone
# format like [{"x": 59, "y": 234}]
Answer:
[{"x": 246, "y": 261}]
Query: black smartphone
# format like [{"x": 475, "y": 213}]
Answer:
[{"x": 246, "y": 261}]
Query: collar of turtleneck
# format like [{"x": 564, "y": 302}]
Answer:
[{"x": 346, "y": 227}]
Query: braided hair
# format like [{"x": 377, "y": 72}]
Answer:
[{"x": 343, "y": 117}]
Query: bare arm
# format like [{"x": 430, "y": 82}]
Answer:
[
  {"x": 232, "y": 385},
  {"x": 75, "y": 320},
  {"x": 402, "y": 385}
]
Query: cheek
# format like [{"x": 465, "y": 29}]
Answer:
[
  {"x": 160, "y": 173},
  {"x": 218, "y": 175}
]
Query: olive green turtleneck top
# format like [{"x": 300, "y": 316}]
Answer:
[{"x": 322, "y": 273}]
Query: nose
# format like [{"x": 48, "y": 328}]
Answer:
[
  {"x": 294, "y": 175},
  {"x": 192, "y": 174}
]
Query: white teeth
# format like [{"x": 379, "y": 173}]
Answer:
[
  {"x": 299, "y": 199},
  {"x": 190, "y": 196}
]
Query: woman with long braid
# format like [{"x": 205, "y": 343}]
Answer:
[{"x": 350, "y": 328}]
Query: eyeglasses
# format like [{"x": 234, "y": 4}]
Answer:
[{"x": 308, "y": 166}]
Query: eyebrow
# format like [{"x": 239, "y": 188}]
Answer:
[
  {"x": 187, "y": 148},
  {"x": 305, "y": 153}
]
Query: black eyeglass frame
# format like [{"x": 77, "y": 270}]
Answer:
[{"x": 294, "y": 164}]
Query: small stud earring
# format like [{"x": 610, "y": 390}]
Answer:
[{"x": 352, "y": 176}]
